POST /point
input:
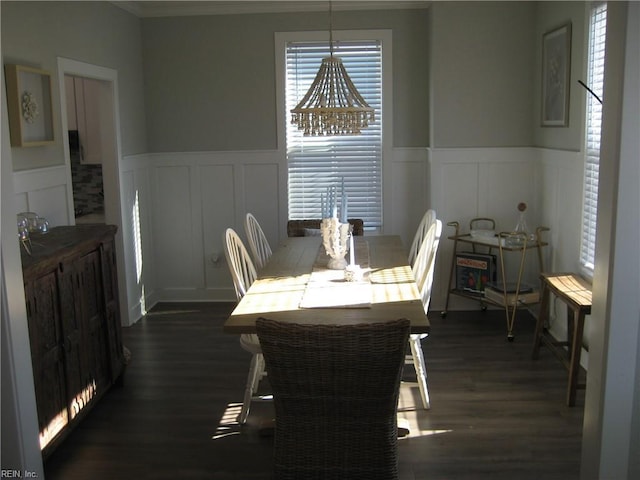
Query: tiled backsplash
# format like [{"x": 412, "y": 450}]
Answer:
[{"x": 88, "y": 193}]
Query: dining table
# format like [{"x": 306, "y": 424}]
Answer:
[{"x": 296, "y": 286}]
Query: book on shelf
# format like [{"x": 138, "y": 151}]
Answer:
[
  {"x": 523, "y": 298},
  {"x": 474, "y": 271}
]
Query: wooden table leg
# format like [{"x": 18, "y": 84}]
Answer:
[
  {"x": 576, "y": 349},
  {"x": 572, "y": 315},
  {"x": 576, "y": 294},
  {"x": 542, "y": 320}
]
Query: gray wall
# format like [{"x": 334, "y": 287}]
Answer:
[
  {"x": 551, "y": 15},
  {"x": 482, "y": 67},
  {"x": 36, "y": 33},
  {"x": 211, "y": 79},
  {"x": 485, "y": 73}
]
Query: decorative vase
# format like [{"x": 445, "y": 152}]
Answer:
[
  {"x": 520, "y": 235},
  {"x": 334, "y": 239}
]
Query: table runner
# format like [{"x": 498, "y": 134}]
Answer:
[{"x": 328, "y": 289}]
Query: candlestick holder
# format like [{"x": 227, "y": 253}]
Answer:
[
  {"x": 334, "y": 239},
  {"x": 353, "y": 273}
]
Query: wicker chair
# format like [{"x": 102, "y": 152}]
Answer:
[
  {"x": 299, "y": 228},
  {"x": 336, "y": 394}
]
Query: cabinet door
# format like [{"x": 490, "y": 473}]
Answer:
[
  {"x": 47, "y": 355},
  {"x": 112, "y": 309},
  {"x": 91, "y": 302},
  {"x": 80, "y": 387}
]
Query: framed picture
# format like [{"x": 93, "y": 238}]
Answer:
[
  {"x": 556, "y": 72},
  {"x": 29, "y": 106}
]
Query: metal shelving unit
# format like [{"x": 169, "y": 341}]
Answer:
[{"x": 516, "y": 243}]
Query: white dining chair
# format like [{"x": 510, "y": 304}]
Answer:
[
  {"x": 258, "y": 243},
  {"x": 243, "y": 273},
  {"x": 416, "y": 358},
  {"x": 423, "y": 271},
  {"x": 427, "y": 219}
]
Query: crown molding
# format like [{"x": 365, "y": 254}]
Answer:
[{"x": 148, "y": 9}]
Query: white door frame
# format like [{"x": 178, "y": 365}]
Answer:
[{"x": 111, "y": 165}]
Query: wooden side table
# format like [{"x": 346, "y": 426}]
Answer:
[{"x": 575, "y": 292}]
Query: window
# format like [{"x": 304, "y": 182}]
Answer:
[
  {"x": 595, "y": 81},
  {"x": 316, "y": 163}
]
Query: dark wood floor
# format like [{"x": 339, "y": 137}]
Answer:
[{"x": 495, "y": 413}]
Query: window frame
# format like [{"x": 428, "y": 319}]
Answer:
[
  {"x": 283, "y": 116},
  {"x": 588, "y": 240}
]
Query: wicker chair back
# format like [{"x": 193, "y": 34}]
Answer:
[
  {"x": 299, "y": 228},
  {"x": 336, "y": 391}
]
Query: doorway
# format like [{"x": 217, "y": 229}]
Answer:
[
  {"x": 103, "y": 110},
  {"x": 85, "y": 147}
]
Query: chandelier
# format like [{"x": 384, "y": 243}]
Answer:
[{"x": 333, "y": 105}]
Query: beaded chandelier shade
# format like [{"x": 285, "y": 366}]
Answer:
[{"x": 333, "y": 105}]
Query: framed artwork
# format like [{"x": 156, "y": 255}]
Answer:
[
  {"x": 556, "y": 73},
  {"x": 29, "y": 106}
]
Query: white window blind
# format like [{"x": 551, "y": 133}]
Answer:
[
  {"x": 318, "y": 162},
  {"x": 595, "y": 81}
]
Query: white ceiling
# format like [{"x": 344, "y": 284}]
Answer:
[{"x": 186, "y": 8}]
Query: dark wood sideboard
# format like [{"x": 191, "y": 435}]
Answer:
[{"x": 73, "y": 314}]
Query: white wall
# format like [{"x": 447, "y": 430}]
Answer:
[
  {"x": 186, "y": 200},
  {"x": 136, "y": 190},
  {"x": 176, "y": 206},
  {"x": 196, "y": 196},
  {"x": 45, "y": 191},
  {"x": 561, "y": 185},
  {"x": 482, "y": 182},
  {"x": 20, "y": 443},
  {"x": 490, "y": 182}
]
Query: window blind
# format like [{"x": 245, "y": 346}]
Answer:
[
  {"x": 316, "y": 163},
  {"x": 595, "y": 78}
]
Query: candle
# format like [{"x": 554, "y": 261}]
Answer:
[
  {"x": 334, "y": 203},
  {"x": 327, "y": 204},
  {"x": 351, "y": 252},
  {"x": 346, "y": 206},
  {"x": 342, "y": 212},
  {"x": 345, "y": 203}
]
